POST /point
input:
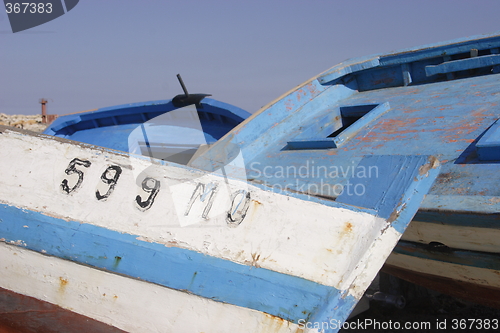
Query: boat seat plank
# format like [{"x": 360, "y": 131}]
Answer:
[{"x": 463, "y": 64}]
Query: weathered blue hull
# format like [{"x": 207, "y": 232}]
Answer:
[{"x": 440, "y": 100}]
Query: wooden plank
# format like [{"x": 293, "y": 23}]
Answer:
[{"x": 463, "y": 64}]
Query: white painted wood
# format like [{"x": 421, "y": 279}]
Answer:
[
  {"x": 331, "y": 246},
  {"x": 131, "y": 305}
]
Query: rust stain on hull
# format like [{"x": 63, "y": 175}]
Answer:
[
  {"x": 276, "y": 324},
  {"x": 62, "y": 284}
]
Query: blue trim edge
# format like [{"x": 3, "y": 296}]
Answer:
[{"x": 285, "y": 296}]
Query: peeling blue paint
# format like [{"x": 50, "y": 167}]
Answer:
[{"x": 281, "y": 295}]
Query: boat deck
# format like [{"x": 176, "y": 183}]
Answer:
[{"x": 445, "y": 119}]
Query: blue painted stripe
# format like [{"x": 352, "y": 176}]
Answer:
[{"x": 288, "y": 297}]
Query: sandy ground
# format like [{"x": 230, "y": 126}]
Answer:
[{"x": 31, "y": 123}]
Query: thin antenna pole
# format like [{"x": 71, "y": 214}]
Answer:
[
  {"x": 43, "y": 101},
  {"x": 182, "y": 85}
]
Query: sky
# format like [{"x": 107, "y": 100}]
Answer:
[{"x": 245, "y": 53}]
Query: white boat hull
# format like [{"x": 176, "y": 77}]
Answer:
[{"x": 150, "y": 247}]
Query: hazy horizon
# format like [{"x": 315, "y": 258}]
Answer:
[{"x": 246, "y": 53}]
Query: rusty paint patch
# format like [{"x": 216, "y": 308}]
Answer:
[
  {"x": 275, "y": 324},
  {"x": 464, "y": 127},
  {"x": 254, "y": 209},
  {"x": 300, "y": 93},
  {"x": 313, "y": 90},
  {"x": 289, "y": 105},
  {"x": 431, "y": 164},
  {"x": 347, "y": 229},
  {"x": 446, "y": 177},
  {"x": 62, "y": 284},
  {"x": 392, "y": 129}
]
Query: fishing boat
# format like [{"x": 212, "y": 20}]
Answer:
[
  {"x": 174, "y": 128},
  {"x": 441, "y": 99},
  {"x": 142, "y": 240}
]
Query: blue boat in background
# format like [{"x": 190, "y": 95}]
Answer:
[{"x": 184, "y": 124}]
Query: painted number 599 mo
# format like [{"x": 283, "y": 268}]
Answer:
[{"x": 239, "y": 205}]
